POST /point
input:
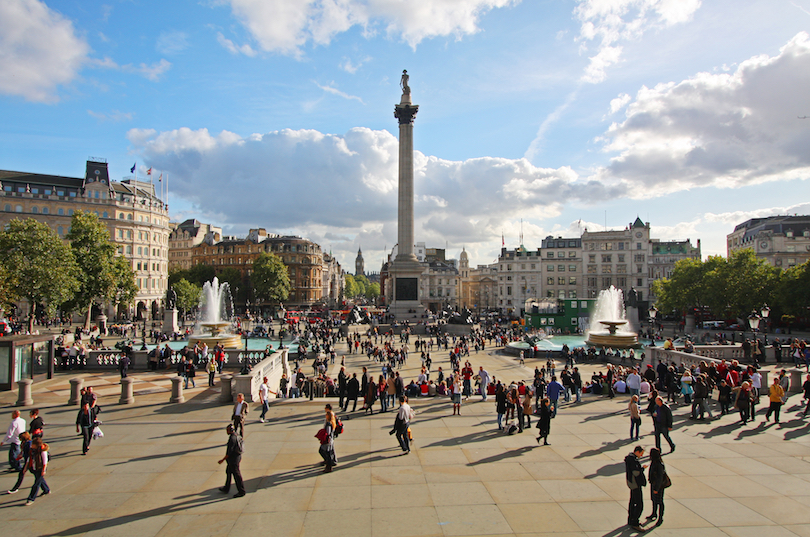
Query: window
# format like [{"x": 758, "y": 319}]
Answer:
[
  {"x": 638, "y": 246},
  {"x": 607, "y": 259},
  {"x": 140, "y": 251},
  {"x": 533, "y": 266},
  {"x": 60, "y": 192},
  {"x": 606, "y": 282},
  {"x": 591, "y": 282},
  {"x": 621, "y": 282},
  {"x": 572, "y": 268},
  {"x": 621, "y": 258},
  {"x": 550, "y": 268},
  {"x": 592, "y": 258},
  {"x": 45, "y": 210},
  {"x": 523, "y": 266},
  {"x": 18, "y": 208},
  {"x": 129, "y": 250},
  {"x": 60, "y": 230},
  {"x": 621, "y": 246},
  {"x": 573, "y": 294},
  {"x": 572, "y": 280},
  {"x": 508, "y": 289},
  {"x": 572, "y": 254},
  {"x": 104, "y": 215},
  {"x": 789, "y": 234},
  {"x": 591, "y": 269},
  {"x": 550, "y": 254},
  {"x": 129, "y": 217},
  {"x": 70, "y": 212},
  {"x": 560, "y": 254},
  {"x": 550, "y": 281},
  {"x": 621, "y": 269},
  {"x": 561, "y": 280},
  {"x": 640, "y": 282},
  {"x": 35, "y": 210},
  {"x": 607, "y": 269}
]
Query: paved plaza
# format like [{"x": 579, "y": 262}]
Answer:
[{"x": 156, "y": 471}]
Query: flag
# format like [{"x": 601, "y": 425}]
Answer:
[
  {"x": 503, "y": 242},
  {"x": 132, "y": 169},
  {"x": 149, "y": 171},
  {"x": 160, "y": 178}
]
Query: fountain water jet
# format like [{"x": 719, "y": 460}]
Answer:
[
  {"x": 609, "y": 320},
  {"x": 214, "y": 317}
]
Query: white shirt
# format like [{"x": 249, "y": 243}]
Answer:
[
  {"x": 238, "y": 410},
  {"x": 263, "y": 391},
  {"x": 633, "y": 381},
  {"x": 405, "y": 412},
  {"x": 16, "y": 428},
  {"x": 756, "y": 380}
]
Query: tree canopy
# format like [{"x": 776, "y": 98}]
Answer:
[
  {"x": 270, "y": 279},
  {"x": 188, "y": 295},
  {"x": 40, "y": 265}
]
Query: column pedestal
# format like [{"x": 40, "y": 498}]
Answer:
[
  {"x": 24, "y": 397},
  {"x": 127, "y": 397},
  {"x": 76, "y": 385},
  {"x": 177, "y": 390},
  {"x": 225, "y": 394}
]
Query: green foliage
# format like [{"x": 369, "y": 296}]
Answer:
[
  {"x": 734, "y": 286},
  {"x": 90, "y": 242},
  {"x": 270, "y": 279},
  {"x": 373, "y": 291},
  {"x": 794, "y": 291},
  {"x": 40, "y": 265},
  {"x": 7, "y": 296},
  {"x": 198, "y": 274},
  {"x": 350, "y": 287},
  {"x": 125, "y": 288},
  {"x": 188, "y": 294}
]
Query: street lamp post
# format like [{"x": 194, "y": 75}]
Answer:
[
  {"x": 753, "y": 322},
  {"x": 765, "y": 312},
  {"x": 653, "y": 311}
]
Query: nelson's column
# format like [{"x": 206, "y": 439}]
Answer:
[{"x": 405, "y": 271}]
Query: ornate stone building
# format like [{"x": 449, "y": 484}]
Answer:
[
  {"x": 302, "y": 257},
  {"x": 783, "y": 241},
  {"x": 477, "y": 287},
  {"x": 184, "y": 237},
  {"x": 137, "y": 219},
  {"x": 359, "y": 264}
]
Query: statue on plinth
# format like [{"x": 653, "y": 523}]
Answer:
[{"x": 406, "y": 89}]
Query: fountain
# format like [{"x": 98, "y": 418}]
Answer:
[
  {"x": 610, "y": 314},
  {"x": 216, "y": 310}
]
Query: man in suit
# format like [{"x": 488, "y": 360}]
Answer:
[
  {"x": 233, "y": 456},
  {"x": 240, "y": 410},
  {"x": 342, "y": 380},
  {"x": 352, "y": 392}
]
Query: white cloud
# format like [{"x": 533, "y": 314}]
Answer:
[
  {"x": 335, "y": 91},
  {"x": 233, "y": 48},
  {"x": 39, "y": 50},
  {"x": 172, "y": 42},
  {"x": 619, "y": 102},
  {"x": 351, "y": 67},
  {"x": 347, "y": 184},
  {"x": 114, "y": 116},
  {"x": 285, "y": 26},
  {"x": 151, "y": 72},
  {"x": 733, "y": 218},
  {"x": 608, "y": 22},
  {"x": 725, "y": 130}
]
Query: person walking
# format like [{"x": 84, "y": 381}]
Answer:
[
  {"x": 634, "y": 473},
  {"x": 190, "y": 373},
  {"x": 85, "y": 423},
  {"x": 342, "y": 380},
  {"x": 352, "y": 392},
  {"x": 211, "y": 367},
  {"x": 240, "y": 412},
  {"x": 635, "y": 417},
  {"x": 12, "y": 438},
  {"x": 544, "y": 420},
  {"x": 483, "y": 379},
  {"x": 402, "y": 423},
  {"x": 327, "y": 437},
  {"x": 264, "y": 393},
  {"x": 553, "y": 391},
  {"x": 500, "y": 403},
  {"x": 25, "y": 456},
  {"x": 527, "y": 407},
  {"x": 233, "y": 456},
  {"x": 658, "y": 482},
  {"x": 38, "y": 465},
  {"x": 663, "y": 423},
  {"x": 775, "y": 394},
  {"x": 457, "y": 389}
]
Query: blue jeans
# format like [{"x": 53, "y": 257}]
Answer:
[
  {"x": 13, "y": 453},
  {"x": 635, "y": 424},
  {"x": 265, "y": 408},
  {"x": 579, "y": 394},
  {"x": 554, "y": 407},
  {"x": 39, "y": 483}
]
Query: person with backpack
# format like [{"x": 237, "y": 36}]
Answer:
[
  {"x": 38, "y": 463},
  {"x": 233, "y": 456},
  {"x": 327, "y": 438},
  {"x": 634, "y": 472}
]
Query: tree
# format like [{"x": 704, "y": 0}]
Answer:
[
  {"x": 40, "y": 265},
  {"x": 373, "y": 291},
  {"x": 200, "y": 274},
  {"x": 125, "y": 288},
  {"x": 270, "y": 279},
  {"x": 350, "y": 287},
  {"x": 90, "y": 242},
  {"x": 7, "y": 296},
  {"x": 188, "y": 295},
  {"x": 793, "y": 293}
]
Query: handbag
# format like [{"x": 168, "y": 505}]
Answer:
[{"x": 667, "y": 481}]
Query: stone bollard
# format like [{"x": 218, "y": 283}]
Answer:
[
  {"x": 795, "y": 381},
  {"x": 177, "y": 390},
  {"x": 127, "y": 397},
  {"x": 24, "y": 397},
  {"x": 225, "y": 394},
  {"x": 76, "y": 385}
]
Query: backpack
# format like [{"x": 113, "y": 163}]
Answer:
[{"x": 338, "y": 427}]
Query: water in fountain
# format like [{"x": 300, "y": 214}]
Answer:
[
  {"x": 214, "y": 316},
  {"x": 609, "y": 326}
]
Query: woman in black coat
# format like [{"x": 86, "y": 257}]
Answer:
[
  {"x": 544, "y": 421},
  {"x": 656, "y": 480},
  {"x": 500, "y": 404}
]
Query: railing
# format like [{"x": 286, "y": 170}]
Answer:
[{"x": 109, "y": 359}]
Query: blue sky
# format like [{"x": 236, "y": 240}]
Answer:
[{"x": 562, "y": 114}]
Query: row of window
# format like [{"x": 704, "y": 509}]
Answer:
[{"x": 46, "y": 191}]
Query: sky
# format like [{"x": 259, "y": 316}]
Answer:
[{"x": 536, "y": 117}]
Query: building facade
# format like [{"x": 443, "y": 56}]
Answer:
[
  {"x": 561, "y": 259},
  {"x": 783, "y": 241},
  {"x": 137, "y": 219},
  {"x": 184, "y": 237},
  {"x": 302, "y": 257},
  {"x": 618, "y": 258},
  {"x": 519, "y": 276},
  {"x": 477, "y": 287}
]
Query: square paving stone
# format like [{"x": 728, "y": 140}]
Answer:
[
  {"x": 476, "y": 520},
  {"x": 527, "y": 518},
  {"x": 459, "y": 494}
]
